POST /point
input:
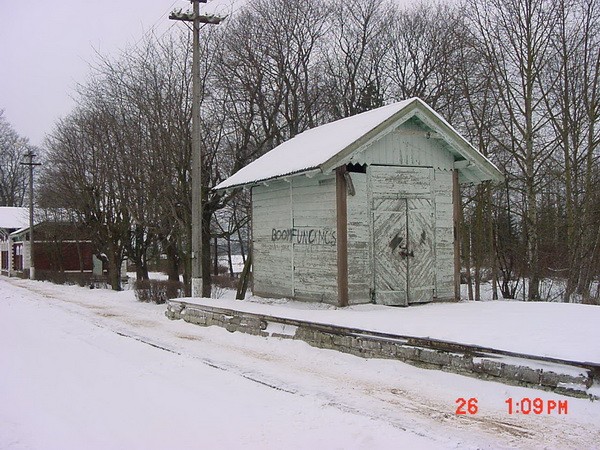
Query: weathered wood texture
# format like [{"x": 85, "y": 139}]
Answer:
[
  {"x": 359, "y": 242},
  {"x": 314, "y": 254},
  {"x": 412, "y": 241},
  {"x": 444, "y": 235},
  {"x": 295, "y": 229},
  {"x": 341, "y": 201},
  {"x": 390, "y": 268},
  {"x": 294, "y": 235},
  {"x": 421, "y": 259},
  {"x": 408, "y": 145},
  {"x": 271, "y": 209},
  {"x": 456, "y": 201}
]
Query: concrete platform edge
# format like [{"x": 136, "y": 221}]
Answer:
[{"x": 571, "y": 378}]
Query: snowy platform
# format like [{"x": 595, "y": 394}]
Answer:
[{"x": 534, "y": 345}]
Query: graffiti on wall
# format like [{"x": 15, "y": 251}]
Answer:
[{"x": 306, "y": 236}]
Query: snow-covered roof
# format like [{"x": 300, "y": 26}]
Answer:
[
  {"x": 323, "y": 147},
  {"x": 12, "y": 217},
  {"x": 20, "y": 231}
]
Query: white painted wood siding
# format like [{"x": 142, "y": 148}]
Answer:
[
  {"x": 302, "y": 268},
  {"x": 302, "y": 265},
  {"x": 359, "y": 242},
  {"x": 272, "y": 260},
  {"x": 408, "y": 145},
  {"x": 444, "y": 232},
  {"x": 315, "y": 264}
]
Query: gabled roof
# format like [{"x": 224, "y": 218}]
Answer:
[
  {"x": 50, "y": 229},
  {"x": 328, "y": 146},
  {"x": 13, "y": 217}
]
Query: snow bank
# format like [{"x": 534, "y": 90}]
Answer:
[{"x": 565, "y": 331}]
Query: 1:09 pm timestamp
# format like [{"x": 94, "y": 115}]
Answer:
[
  {"x": 537, "y": 406},
  {"x": 524, "y": 406}
]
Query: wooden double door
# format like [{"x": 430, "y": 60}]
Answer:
[{"x": 403, "y": 254}]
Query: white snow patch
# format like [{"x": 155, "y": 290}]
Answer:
[
  {"x": 570, "y": 386},
  {"x": 280, "y": 328},
  {"x": 14, "y": 217}
]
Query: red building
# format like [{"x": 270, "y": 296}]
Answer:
[{"x": 61, "y": 250}]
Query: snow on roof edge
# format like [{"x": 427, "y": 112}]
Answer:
[
  {"x": 265, "y": 180},
  {"x": 13, "y": 217},
  {"x": 323, "y": 142},
  {"x": 471, "y": 146}
]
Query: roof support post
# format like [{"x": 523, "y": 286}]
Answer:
[
  {"x": 456, "y": 209},
  {"x": 341, "y": 201}
]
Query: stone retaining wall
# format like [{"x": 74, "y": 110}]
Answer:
[{"x": 564, "y": 377}]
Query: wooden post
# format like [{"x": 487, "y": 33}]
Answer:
[
  {"x": 242, "y": 286},
  {"x": 341, "y": 196},
  {"x": 30, "y": 155},
  {"x": 456, "y": 209},
  {"x": 246, "y": 275}
]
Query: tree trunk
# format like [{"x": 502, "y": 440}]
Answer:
[
  {"x": 187, "y": 263},
  {"x": 206, "y": 259},
  {"x": 172, "y": 260},
  {"x": 241, "y": 242},
  {"x": 216, "y": 257},
  {"x": 479, "y": 239},
  {"x": 494, "y": 248},
  {"x": 229, "y": 255},
  {"x": 466, "y": 251},
  {"x": 114, "y": 267}
]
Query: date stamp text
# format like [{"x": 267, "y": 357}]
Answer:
[{"x": 524, "y": 406}]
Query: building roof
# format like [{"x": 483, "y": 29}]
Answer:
[
  {"x": 323, "y": 148},
  {"x": 51, "y": 229},
  {"x": 13, "y": 217}
]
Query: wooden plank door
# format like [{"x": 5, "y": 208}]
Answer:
[
  {"x": 403, "y": 251},
  {"x": 420, "y": 250},
  {"x": 390, "y": 236}
]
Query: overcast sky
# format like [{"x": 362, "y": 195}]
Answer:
[{"x": 45, "y": 48}]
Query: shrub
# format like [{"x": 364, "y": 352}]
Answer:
[
  {"x": 158, "y": 291},
  {"x": 79, "y": 278},
  {"x": 225, "y": 281}
]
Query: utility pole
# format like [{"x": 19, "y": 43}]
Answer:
[
  {"x": 197, "y": 19},
  {"x": 30, "y": 155}
]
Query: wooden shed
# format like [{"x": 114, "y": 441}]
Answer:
[{"x": 361, "y": 209}]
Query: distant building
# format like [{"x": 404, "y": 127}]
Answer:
[
  {"x": 62, "y": 252},
  {"x": 11, "y": 219},
  {"x": 361, "y": 209}
]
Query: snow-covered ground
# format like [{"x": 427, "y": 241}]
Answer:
[{"x": 95, "y": 369}]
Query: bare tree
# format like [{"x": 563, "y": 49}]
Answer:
[
  {"x": 425, "y": 55},
  {"x": 13, "y": 176},
  {"x": 515, "y": 36},
  {"x": 84, "y": 174},
  {"x": 573, "y": 104},
  {"x": 275, "y": 67},
  {"x": 151, "y": 91},
  {"x": 355, "y": 60}
]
